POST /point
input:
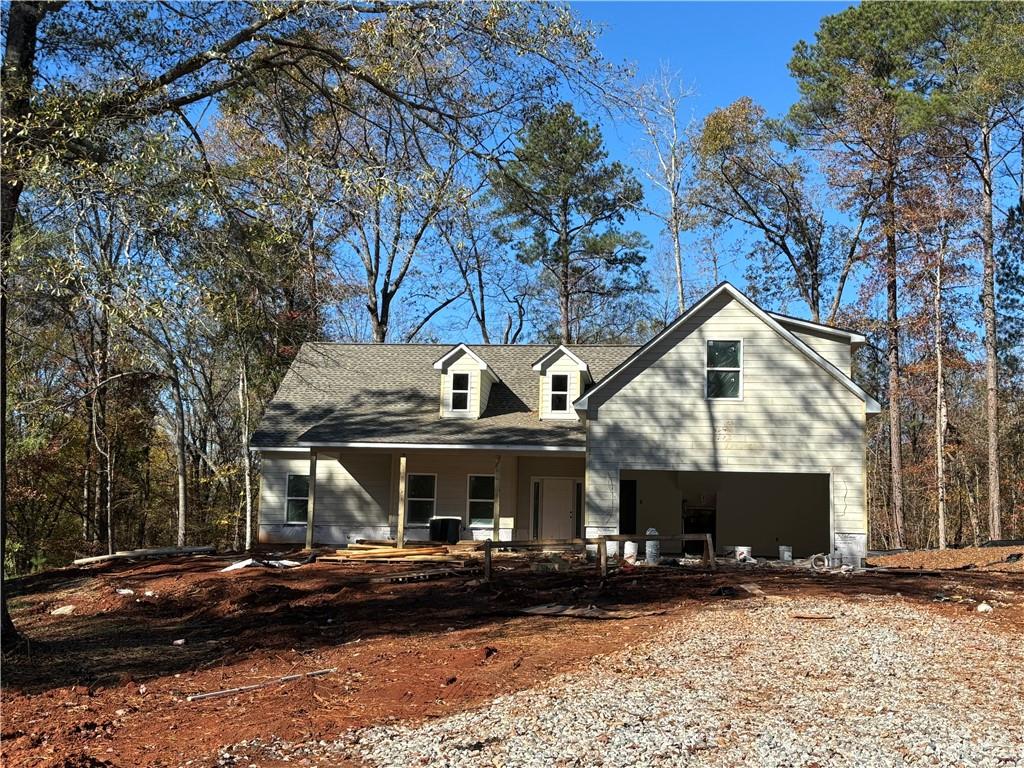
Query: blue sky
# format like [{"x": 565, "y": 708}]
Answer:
[{"x": 723, "y": 50}]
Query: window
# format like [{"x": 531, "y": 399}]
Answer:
[
  {"x": 297, "y": 499},
  {"x": 724, "y": 370},
  {"x": 460, "y": 391},
  {"x": 481, "y": 501},
  {"x": 419, "y": 501},
  {"x": 559, "y": 392}
]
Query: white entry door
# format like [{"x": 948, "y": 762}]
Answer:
[{"x": 557, "y": 499}]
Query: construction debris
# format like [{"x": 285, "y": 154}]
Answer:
[
  {"x": 64, "y": 610},
  {"x": 260, "y": 563},
  {"x": 589, "y": 612},
  {"x": 433, "y": 553},
  {"x": 552, "y": 563},
  {"x": 131, "y": 554},
  {"x": 433, "y": 573},
  {"x": 256, "y": 686}
]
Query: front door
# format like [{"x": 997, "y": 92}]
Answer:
[{"x": 557, "y": 519}]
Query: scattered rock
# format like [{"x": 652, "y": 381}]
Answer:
[
  {"x": 984, "y": 608},
  {"x": 64, "y": 610}
]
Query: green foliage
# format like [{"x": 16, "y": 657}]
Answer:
[
  {"x": 1010, "y": 298},
  {"x": 748, "y": 174},
  {"x": 570, "y": 202}
]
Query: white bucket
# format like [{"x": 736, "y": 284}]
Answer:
[
  {"x": 629, "y": 551},
  {"x": 785, "y": 554},
  {"x": 743, "y": 553}
]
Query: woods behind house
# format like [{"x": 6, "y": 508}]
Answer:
[{"x": 192, "y": 190}]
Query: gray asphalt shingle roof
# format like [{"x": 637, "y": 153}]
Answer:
[{"x": 390, "y": 393}]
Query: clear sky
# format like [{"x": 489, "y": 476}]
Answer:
[{"x": 723, "y": 50}]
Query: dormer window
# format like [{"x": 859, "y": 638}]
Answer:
[
  {"x": 563, "y": 378},
  {"x": 466, "y": 381},
  {"x": 460, "y": 391},
  {"x": 559, "y": 392}
]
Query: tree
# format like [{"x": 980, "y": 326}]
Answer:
[
  {"x": 746, "y": 175},
  {"x": 570, "y": 202},
  {"x": 497, "y": 57},
  {"x": 856, "y": 97},
  {"x": 489, "y": 277},
  {"x": 668, "y": 168},
  {"x": 973, "y": 65}
]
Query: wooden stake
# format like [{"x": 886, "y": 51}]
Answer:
[
  {"x": 602, "y": 555},
  {"x": 487, "y": 560}
]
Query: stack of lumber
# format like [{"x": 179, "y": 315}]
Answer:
[{"x": 370, "y": 553}]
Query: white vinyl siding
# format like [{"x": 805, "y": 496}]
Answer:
[
  {"x": 353, "y": 492},
  {"x": 794, "y": 417},
  {"x": 835, "y": 349}
]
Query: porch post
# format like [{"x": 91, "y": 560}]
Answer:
[
  {"x": 311, "y": 499},
  {"x": 400, "y": 534},
  {"x": 497, "y": 499}
]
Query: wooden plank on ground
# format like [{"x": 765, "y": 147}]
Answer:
[{"x": 143, "y": 553}]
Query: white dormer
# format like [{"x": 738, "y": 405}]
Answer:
[
  {"x": 466, "y": 381},
  {"x": 563, "y": 376}
]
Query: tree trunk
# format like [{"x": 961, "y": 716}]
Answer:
[
  {"x": 100, "y": 428},
  {"x": 940, "y": 409},
  {"x": 180, "y": 456},
  {"x": 988, "y": 308},
  {"x": 565, "y": 283},
  {"x": 893, "y": 329},
  {"x": 243, "y": 407},
  {"x": 88, "y": 528},
  {"x": 677, "y": 255},
  {"x": 109, "y": 511},
  {"x": 18, "y": 75}
]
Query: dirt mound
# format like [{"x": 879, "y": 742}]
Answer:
[
  {"x": 1007, "y": 559},
  {"x": 107, "y": 684}
]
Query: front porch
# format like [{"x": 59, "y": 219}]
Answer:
[{"x": 332, "y": 497}]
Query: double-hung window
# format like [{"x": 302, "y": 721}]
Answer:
[
  {"x": 559, "y": 392},
  {"x": 460, "y": 391},
  {"x": 420, "y": 498},
  {"x": 297, "y": 499},
  {"x": 724, "y": 370},
  {"x": 481, "y": 501}
]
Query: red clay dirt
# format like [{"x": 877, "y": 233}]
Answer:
[{"x": 106, "y": 686}]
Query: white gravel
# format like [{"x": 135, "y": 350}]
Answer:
[{"x": 745, "y": 683}]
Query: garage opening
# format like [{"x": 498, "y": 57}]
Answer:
[{"x": 762, "y": 510}]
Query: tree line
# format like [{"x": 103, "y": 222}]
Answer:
[{"x": 190, "y": 191}]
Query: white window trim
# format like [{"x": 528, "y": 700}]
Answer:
[
  {"x": 288, "y": 476},
  {"x": 707, "y": 343},
  {"x": 409, "y": 498},
  {"x": 552, "y": 393},
  {"x": 470, "y": 499},
  {"x": 468, "y": 390}
]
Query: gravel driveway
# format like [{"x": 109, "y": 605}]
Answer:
[{"x": 746, "y": 682}]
